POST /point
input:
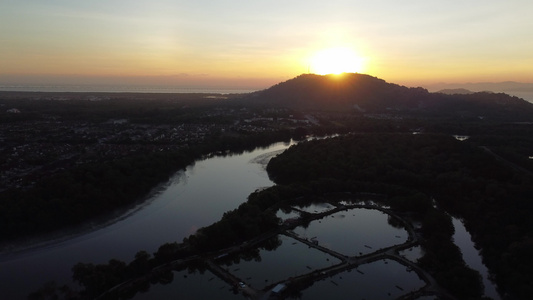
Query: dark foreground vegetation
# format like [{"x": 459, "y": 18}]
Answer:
[
  {"x": 493, "y": 198},
  {"x": 372, "y": 95},
  {"x": 412, "y": 170},
  {"x": 95, "y": 189},
  {"x": 65, "y": 162},
  {"x": 486, "y": 180}
]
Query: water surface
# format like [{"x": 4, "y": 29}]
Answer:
[
  {"x": 195, "y": 285},
  {"x": 472, "y": 258},
  {"x": 193, "y": 198},
  {"x": 384, "y": 279},
  {"x": 354, "y": 232},
  {"x": 290, "y": 259}
]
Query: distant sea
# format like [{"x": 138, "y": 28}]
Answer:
[
  {"x": 522, "y": 90},
  {"x": 124, "y": 89},
  {"x": 528, "y": 96}
]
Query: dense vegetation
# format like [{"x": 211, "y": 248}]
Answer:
[
  {"x": 364, "y": 93},
  {"x": 250, "y": 219},
  {"x": 490, "y": 188},
  {"x": 410, "y": 169},
  {"x": 91, "y": 190},
  {"x": 494, "y": 200},
  {"x": 83, "y": 192},
  {"x": 139, "y": 108}
]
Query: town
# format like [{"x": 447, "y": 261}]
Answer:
[{"x": 39, "y": 137}]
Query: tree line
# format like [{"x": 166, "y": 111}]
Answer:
[
  {"x": 493, "y": 199},
  {"x": 97, "y": 189}
]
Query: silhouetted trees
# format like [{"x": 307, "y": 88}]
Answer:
[{"x": 494, "y": 199}]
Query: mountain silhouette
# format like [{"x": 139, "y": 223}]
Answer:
[
  {"x": 455, "y": 91},
  {"x": 368, "y": 94}
]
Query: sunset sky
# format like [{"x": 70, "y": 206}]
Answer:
[{"x": 259, "y": 43}]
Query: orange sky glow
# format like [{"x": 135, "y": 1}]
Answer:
[{"x": 255, "y": 45}]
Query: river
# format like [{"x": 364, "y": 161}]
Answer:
[
  {"x": 191, "y": 199},
  {"x": 195, "y": 197},
  {"x": 471, "y": 256}
]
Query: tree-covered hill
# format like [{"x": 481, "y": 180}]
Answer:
[
  {"x": 365, "y": 93},
  {"x": 339, "y": 92}
]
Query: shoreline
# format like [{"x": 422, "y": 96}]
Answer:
[
  {"x": 431, "y": 287},
  {"x": 102, "y": 89},
  {"x": 15, "y": 248}
]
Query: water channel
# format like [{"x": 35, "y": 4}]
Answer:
[
  {"x": 196, "y": 197},
  {"x": 472, "y": 258},
  {"x": 193, "y": 198}
]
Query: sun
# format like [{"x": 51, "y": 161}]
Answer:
[{"x": 336, "y": 61}]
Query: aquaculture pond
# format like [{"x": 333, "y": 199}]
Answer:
[
  {"x": 198, "y": 196},
  {"x": 190, "y": 285},
  {"x": 290, "y": 259},
  {"x": 354, "y": 232},
  {"x": 384, "y": 279}
]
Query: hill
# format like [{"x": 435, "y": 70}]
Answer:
[{"x": 365, "y": 93}]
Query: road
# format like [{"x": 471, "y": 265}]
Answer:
[{"x": 505, "y": 161}]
